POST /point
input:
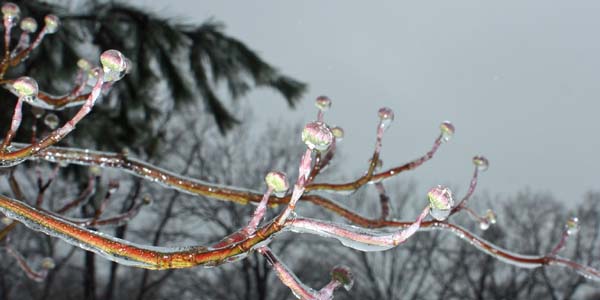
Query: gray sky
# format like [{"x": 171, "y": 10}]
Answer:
[{"x": 519, "y": 79}]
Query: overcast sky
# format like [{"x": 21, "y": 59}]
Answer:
[{"x": 519, "y": 79}]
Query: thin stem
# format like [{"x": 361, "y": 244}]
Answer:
[{"x": 14, "y": 125}]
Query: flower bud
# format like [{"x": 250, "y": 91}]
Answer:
[
  {"x": 277, "y": 181},
  {"x": 52, "y": 22},
  {"x": 11, "y": 11},
  {"x": 26, "y": 87},
  {"x": 447, "y": 130},
  {"x": 343, "y": 275},
  {"x": 48, "y": 263},
  {"x": 481, "y": 163},
  {"x": 317, "y": 136},
  {"x": 29, "y": 25},
  {"x": 572, "y": 226},
  {"x": 440, "y": 202},
  {"x": 323, "y": 103}
]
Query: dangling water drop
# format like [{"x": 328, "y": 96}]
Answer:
[
  {"x": 11, "y": 11},
  {"x": 481, "y": 163},
  {"x": 51, "y": 120},
  {"x": 114, "y": 64},
  {"x": 52, "y": 22},
  {"x": 26, "y": 87},
  {"x": 317, "y": 136},
  {"x": 338, "y": 133},
  {"x": 29, "y": 25},
  {"x": 386, "y": 116},
  {"x": 572, "y": 226},
  {"x": 344, "y": 276},
  {"x": 484, "y": 225},
  {"x": 37, "y": 112},
  {"x": 447, "y": 131},
  {"x": 440, "y": 202},
  {"x": 323, "y": 103}
]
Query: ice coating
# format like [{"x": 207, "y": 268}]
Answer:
[
  {"x": 481, "y": 163},
  {"x": 447, "y": 130},
  {"x": 317, "y": 136},
  {"x": 386, "y": 116},
  {"x": 29, "y": 25},
  {"x": 51, "y": 23},
  {"x": 25, "y": 86},
  {"x": 277, "y": 181},
  {"x": 114, "y": 64},
  {"x": 441, "y": 202},
  {"x": 118, "y": 250},
  {"x": 323, "y": 103},
  {"x": 11, "y": 11}
]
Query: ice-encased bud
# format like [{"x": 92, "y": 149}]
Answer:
[
  {"x": 338, "y": 133},
  {"x": 26, "y": 86},
  {"x": 48, "y": 263},
  {"x": 323, "y": 103},
  {"x": 490, "y": 216},
  {"x": 572, "y": 226},
  {"x": 52, "y": 22},
  {"x": 440, "y": 202},
  {"x": 114, "y": 64},
  {"x": 11, "y": 11},
  {"x": 386, "y": 115},
  {"x": 447, "y": 130},
  {"x": 277, "y": 181},
  {"x": 147, "y": 199},
  {"x": 51, "y": 120},
  {"x": 6, "y": 220},
  {"x": 29, "y": 25},
  {"x": 344, "y": 276},
  {"x": 317, "y": 136},
  {"x": 84, "y": 64},
  {"x": 481, "y": 163}
]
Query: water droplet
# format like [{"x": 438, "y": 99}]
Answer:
[
  {"x": 51, "y": 120},
  {"x": 147, "y": 199},
  {"x": 344, "y": 276},
  {"x": 26, "y": 87},
  {"x": 323, "y": 103},
  {"x": 11, "y": 11},
  {"x": 37, "y": 112},
  {"x": 338, "y": 133},
  {"x": 484, "y": 225},
  {"x": 48, "y": 263},
  {"x": 447, "y": 130},
  {"x": 572, "y": 226},
  {"x": 277, "y": 181},
  {"x": 29, "y": 25},
  {"x": 114, "y": 65},
  {"x": 386, "y": 116},
  {"x": 63, "y": 163},
  {"x": 52, "y": 22},
  {"x": 440, "y": 201},
  {"x": 317, "y": 136},
  {"x": 481, "y": 163}
]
